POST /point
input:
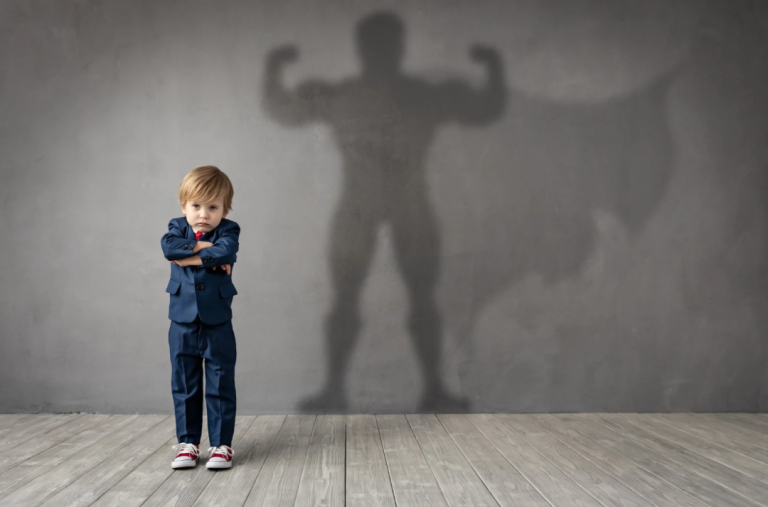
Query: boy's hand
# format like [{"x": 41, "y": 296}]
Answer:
[
  {"x": 193, "y": 260},
  {"x": 225, "y": 267}
]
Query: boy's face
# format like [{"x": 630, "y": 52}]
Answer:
[{"x": 204, "y": 216}]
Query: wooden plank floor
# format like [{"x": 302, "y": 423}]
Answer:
[{"x": 537, "y": 460}]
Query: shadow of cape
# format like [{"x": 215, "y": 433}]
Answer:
[{"x": 535, "y": 199}]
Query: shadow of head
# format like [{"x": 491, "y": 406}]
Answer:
[{"x": 380, "y": 41}]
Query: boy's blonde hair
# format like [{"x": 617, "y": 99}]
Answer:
[{"x": 205, "y": 184}]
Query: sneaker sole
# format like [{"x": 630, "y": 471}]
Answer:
[
  {"x": 183, "y": 464},
  {"x": 218, "y": 464}
]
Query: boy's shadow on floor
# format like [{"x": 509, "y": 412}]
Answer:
[{"x": 384, "y": 122}]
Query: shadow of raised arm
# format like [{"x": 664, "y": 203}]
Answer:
[
  {"x": 308, "y": 102},
  {"x": 470, "y": 106}
]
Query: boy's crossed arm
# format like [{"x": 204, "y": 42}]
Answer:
[
  {"x": 196, "y": 260},
  {"x": 177, "y": 248}
]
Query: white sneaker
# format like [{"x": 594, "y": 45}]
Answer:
[
  {"x": 220, "y": 457},
  {"x": 187, "y": 456}
]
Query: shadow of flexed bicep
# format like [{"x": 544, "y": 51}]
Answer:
[
  {"x": 309, "y": 101},
  {"x": 456, "y": 100}
]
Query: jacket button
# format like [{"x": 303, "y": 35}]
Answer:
[{"x": 199, "y": 286}]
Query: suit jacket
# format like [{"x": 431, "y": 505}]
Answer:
[{"x": 199, "y": 290}]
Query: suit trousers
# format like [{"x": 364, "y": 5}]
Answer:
[{"x": 196, "y": 346}]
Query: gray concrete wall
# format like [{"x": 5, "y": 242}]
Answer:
[{"x": 548, "y": 206}]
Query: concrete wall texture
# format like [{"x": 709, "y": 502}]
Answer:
[{"x": 515, "y": 206}]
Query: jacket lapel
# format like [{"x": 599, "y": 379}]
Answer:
[{"x": 190, "y": 234}]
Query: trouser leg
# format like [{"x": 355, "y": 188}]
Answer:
[
  {"x": 220, "y": 353},
  {"x": 186, "y": 380}
]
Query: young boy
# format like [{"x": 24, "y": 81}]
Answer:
[{"x": 201, "y": 316}]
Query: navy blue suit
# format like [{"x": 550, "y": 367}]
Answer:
[{"x": 201, "y": 331}]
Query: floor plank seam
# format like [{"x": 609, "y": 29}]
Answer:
[
  {"x": 386, "y": 461},
  {"x": 149, "y": 454},
  {"x": 710, "y": 444},
  {"x": 522, "y": 474},
  {"x": 468, "y": 460},
  {"x": 2, "y": 471},
  {"x": 678, "y": 463},
  {"x": 558, "y": 468},
  {"x": 426, "y": 460},
  {"x": 598, "y": 463}
]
